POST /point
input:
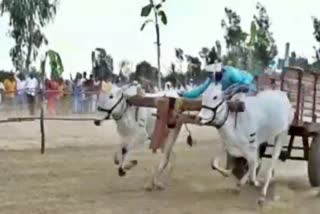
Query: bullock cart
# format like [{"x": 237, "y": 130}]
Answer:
[{"x": 303, "y": 88}]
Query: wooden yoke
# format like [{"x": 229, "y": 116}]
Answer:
[
  {"x": 161, "y": 130},
  {"x": 170, "y": 114}
]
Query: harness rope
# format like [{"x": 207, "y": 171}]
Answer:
[{"x": 214, "y": 110}]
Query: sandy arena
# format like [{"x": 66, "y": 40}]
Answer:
[{"x": 77, "y": 175}]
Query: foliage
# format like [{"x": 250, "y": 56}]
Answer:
[
  {"x": 254, "y": 51},
  {"x": 144, "y": 71},
  {"x": 296, "y": 61},
  {"x": 262, "y": 40},
  {"x": 179, "y": 54},
  {"x": 235, "y": 39},
  {"x": 26, "y": 19},
  {"x": 102, "y": 63},
  {"x": 176, "y": 78},
  {"x": 316, "y": 33},
  {"x": 159, "y": 13},
  {"x": 4, "y": 75},
  {"x": 211, "y": 56},
  {"x": 55, "y": 62}
]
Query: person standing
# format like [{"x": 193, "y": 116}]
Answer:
[
  {"x": 2, "y": 91},
  {"x": 10, "y": 89},
  {"x": 77, "y": 94},
  {"x": 31, "y": 90},
  {"x": 52, "y": 94},
  {"x": 21, "y": 90}
]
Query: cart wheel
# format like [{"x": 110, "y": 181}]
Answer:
[
  {"x": 239, "y": 166},
  {"x": 314, "y": 162}
]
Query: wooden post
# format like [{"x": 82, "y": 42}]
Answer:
[
  {"x": 43, "y": 139},
  {"x": 302, "y": 102},
  {"x": 161, "y": 130},
  {"x": 298, "y": 103},
  {"x": 314, "y": 102}
]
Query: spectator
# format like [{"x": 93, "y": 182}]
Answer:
[
  {"x": 89, "y": 86},
  {"x": 21, "y": 89},
  {"x": 67, "y": 99},
  {"x": 61, "y": 94},
  {"x": 84, "y": 77},
  {"x": 96, "y": 90},
  {"x": 77, "y": 94},
  {"x": 2, "y": 91},
  {"x": 10, "y": 89},
  {"x": 52, "y": 94},
  {"x": 31, "y": 89}
]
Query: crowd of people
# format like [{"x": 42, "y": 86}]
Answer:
[{"x": 78, "y": 95}]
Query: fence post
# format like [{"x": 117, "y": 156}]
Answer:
[{"x": 43, "y": 139}]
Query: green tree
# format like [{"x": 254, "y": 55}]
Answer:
[
  {"x": 316, "y": 33},
  {"x": 262, "y": 41},
  {"x": 235, "y": 38},
  {"x": 102, "y": 63},
  {"x": 55, "y": 62},
  {"x": 180, "y": 57},
  {"x": 158, "y": 14},
  {"x": 145, "y": 71},
  {"x": 27, "y": 18},
  {"x": 211, "y": 56}
]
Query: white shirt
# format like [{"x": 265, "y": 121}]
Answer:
[
  {"x": 31, "y": 86},
  {"x": 21, "y": 85}
]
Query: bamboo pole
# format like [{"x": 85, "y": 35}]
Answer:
[
  {"x": 23, "y": 119},
  {"x": 42, "y": 130}
]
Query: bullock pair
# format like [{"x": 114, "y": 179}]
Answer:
[{"x": 266, "y": 119}]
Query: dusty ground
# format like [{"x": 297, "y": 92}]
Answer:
[{"x": 76, "y": 175}]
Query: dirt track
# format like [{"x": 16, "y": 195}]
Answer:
[{"x": 77, "y": 175}]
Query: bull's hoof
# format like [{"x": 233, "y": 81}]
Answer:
[
  {"x": 261, "y": 201},
  {"x": 130, "y": 165},
  {"x": 116, "y": 161},
  {"x": 213, "y": 167},
  {"x": 121, "y": 172},
  {"x": 159, "y": 186},
  {"x": 254, "y": 183},
  {"x": 134, "y": 162},
  {"x": 97, "y": 122},
  {"x": 149, "y": 186}
]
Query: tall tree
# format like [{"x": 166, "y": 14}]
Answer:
[
  {"x": 158, "y": 14},
  {"x": 235, "y": 39},
  {"x": 180, "y": 58},
  {"x": 262, "y": 41},
  {"x": 316, "y": 33},
  {"x": 27, "y": 18},
  {"x": 102, "y": 63},
  {"x": 55, "y": 63},
  {"x": 145, "y": 71}
]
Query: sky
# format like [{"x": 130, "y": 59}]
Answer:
[{"x": 81, "y": 25}]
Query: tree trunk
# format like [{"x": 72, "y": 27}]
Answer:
[
  {"x": 42, "y": 130},
  {"x": 28, "y": 59},
  {"x": 158, "y": 45},
  {"x": 158, "y": 56}
]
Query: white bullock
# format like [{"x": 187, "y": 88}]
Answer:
[
  {"x": 135, "y": 126},
  {"x": 266, "y": 118}
]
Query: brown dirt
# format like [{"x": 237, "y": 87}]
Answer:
[{"x": 77, "y": 175}]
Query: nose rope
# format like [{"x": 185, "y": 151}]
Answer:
[{"x": 214, "y": 110}]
